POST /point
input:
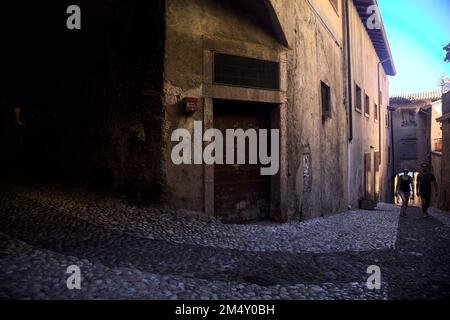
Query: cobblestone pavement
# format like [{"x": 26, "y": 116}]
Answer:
[{"x": 126, "y": 251}]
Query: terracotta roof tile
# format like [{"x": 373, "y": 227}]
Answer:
[{"x": 418, "y": 96}]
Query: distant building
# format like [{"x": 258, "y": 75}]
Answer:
[{"x": 416, "y": 134}]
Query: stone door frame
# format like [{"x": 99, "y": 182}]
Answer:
[{"x": 211, "y": 91}]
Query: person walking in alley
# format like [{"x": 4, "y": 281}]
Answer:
[
  {"x": 424, "y": 182},
  {"x": 404, "y": 188}
]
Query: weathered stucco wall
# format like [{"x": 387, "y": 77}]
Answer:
[
  {"x": 316, "y": 148},
  {"x": 445, "y": 187},
  {"x": 317, "y": 160},
  {"x": 315, "y": 55},
  {"x": 323, "y": 20},
  {"x": 189, "y": 24},
  {"x": 364, "y": 66},
  {"x": 437, "y": 161}
]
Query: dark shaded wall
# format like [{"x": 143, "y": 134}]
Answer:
[
  {"x": 90, "y": 99},
  {"x": 445, "y": 173}
]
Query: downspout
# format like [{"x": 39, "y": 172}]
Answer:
[
  {"x": 346, "y": 14},
  {"x": 391, "y": 111},
  {"x": 379, "y": 110},
  {"x": 346, "y": 25},
  {"x": 349, "y": 72}
]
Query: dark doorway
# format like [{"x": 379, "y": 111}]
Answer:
[{"x": 241, "y": 193}]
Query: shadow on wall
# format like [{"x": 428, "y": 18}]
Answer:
[{"x": 84, "y": 105}]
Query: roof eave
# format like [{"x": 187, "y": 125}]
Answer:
[
  {"x": 377, "y": 36},
  {"x": 266, "y": 16},
  {"x": 393, "y": 70}
]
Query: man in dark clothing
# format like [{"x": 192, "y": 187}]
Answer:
[{"x": 424, "y": 182}]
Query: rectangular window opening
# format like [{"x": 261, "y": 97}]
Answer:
[
  {"x": 326, "y": 101},
  {"x": 375, "y": 111},
  {"x": 367, "y": 106},
  {"x": 358, "y": 98}
]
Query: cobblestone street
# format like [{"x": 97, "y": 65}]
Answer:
[{"x": 127, "y": 251}]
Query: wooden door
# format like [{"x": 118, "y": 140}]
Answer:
[{"x": 241, "y": 193}]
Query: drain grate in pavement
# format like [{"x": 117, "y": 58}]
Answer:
[{"x": 260, "y": 281}]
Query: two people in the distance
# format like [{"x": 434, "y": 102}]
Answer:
[{"x": 425, "y": 182}]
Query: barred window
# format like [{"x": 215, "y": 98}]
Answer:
[{"x": 246, "y": 72}]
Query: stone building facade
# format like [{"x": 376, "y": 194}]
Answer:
[
  {"x": 411, "y": 117},
  {"x": 445, "y": 164},
  {"x": 436, "y": 148},
  {"x": 369, "y": 141},
  {"x": 416, "y": 133},
  {"x": 312, "y": 69},
  {"x": 325, "y": 166}
]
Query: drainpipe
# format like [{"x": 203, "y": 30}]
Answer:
[
  {"x": 348, "y": 64},
  {"x": 349, "y": 72},
  {"x": 379, "y": 109},
  {"x": 391, "y": 111}
]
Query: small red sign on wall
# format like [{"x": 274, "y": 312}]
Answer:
[{"x": 191, "y": 104}]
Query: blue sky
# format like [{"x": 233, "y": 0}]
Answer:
[{"x": 417, "y": 31}]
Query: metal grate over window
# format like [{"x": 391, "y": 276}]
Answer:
[{"x": 246, "y": 72}]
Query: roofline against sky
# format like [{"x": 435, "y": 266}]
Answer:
[{"x": 361, "y": 6}]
